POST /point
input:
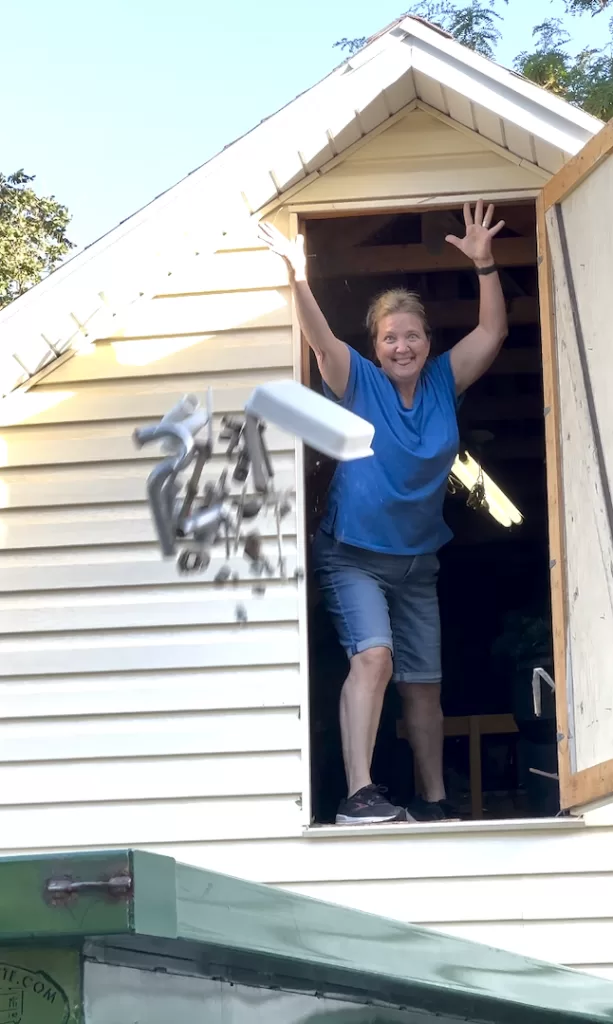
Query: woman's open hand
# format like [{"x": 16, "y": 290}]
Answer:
[
  {"x": 292, "y": 253},
  {"x": 477, "y": 242}
]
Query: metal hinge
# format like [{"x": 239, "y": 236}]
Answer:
[{"x": 61, "y": 891}]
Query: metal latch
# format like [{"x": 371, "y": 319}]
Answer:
[
  {"x": 537, "y": 675},
  {"x": 62, "y": 891}
]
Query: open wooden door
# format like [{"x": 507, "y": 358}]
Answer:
[{"x": 575, "y": 224}]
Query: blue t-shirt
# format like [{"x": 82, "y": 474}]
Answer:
[{"x": 392, "y": 501}]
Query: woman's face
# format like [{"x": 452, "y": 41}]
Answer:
[{"x": 402, "y": 347}]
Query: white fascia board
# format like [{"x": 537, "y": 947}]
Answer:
[
  {"x": 328, "y": 108},
  {"x": 325, "y": 97},
  {"x": 491, "y": 82},
  {"x": 78, "y": 311},
  {"x": 525, "y": 112},
  {"x": 132, "y": 260},
  {"x": 127, "y": 235}
]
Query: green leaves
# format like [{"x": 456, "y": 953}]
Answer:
[
  {"x": 352, "y": 45},
  {"x": 32, "y": 235},
  {"x": 585, "y": 6},
  {"x": 475, "y": 25},
  {"x": 549, "y": 65},
  {"x": 584, "y": 79}
]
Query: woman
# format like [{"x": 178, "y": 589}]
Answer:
[{"x": 375, "y": 555}]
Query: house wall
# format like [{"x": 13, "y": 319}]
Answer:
[
  {"x": 136, "y": 712},
  {"x": 419, "y": 155},
  {"x": 108, "y": 711}
]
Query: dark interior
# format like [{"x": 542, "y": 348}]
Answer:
[{"x": 494, "y": 582}]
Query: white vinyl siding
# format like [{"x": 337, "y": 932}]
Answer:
[
  {"x": 135, "y": 712},
  {"x": 135, "y": 708},
  {"x": 418, "y": 156}
]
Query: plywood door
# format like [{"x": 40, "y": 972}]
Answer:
[{"x": 576, "y": 255}]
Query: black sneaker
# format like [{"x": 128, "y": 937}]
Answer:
[
  {"x": 436, "y": 810},
  {"x": 369, "y": 806}
]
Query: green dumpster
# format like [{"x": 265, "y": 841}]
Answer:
[{"x": 128, "y": 937}]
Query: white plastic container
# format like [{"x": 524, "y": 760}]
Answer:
[{"x": 320, "y": 423}]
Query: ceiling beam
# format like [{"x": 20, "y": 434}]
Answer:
[
  {"x": 503, "y": 449},
  {"x": 358, "y": 229},
  {"x": 347, "y": 314},
  {"x": 486, "y": 409},
  {"x": 518, "y": 360},
  {"x": 334, "y": 261}
]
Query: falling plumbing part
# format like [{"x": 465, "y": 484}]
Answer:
[{"x": 190, "y": 516}]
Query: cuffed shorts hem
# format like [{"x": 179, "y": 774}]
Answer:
[
  {"x": 367, "y": 645},
  {"x": 415, "y": 677},
  {"x": 378, "y": 600}
]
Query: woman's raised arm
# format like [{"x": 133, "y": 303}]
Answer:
[
  {"x": 332, "y": 354},
  {"x": 475, "y": 353}
]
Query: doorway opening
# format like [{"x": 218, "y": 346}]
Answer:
[{"x": 500, "y": 757}]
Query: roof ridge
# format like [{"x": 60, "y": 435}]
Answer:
[{"x": 332, "y": 107}]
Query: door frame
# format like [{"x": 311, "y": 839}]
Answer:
[
  {"x": 299, "y": 215},
  {"x": 590, "y": 785}
]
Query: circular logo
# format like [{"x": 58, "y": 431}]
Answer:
[{"x": 31, "y": 997}]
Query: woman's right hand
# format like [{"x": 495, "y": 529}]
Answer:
[
  {"x": 292, "y": 253},
  {"x": 332, "y": 355}
]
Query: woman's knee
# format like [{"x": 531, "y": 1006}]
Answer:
[
  {"x": 424, "y": 697},
  {"x": 373, "y": 665}
]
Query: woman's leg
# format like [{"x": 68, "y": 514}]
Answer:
[
  {"x": 423, "y": 721},
  {"x": 354, "y": 596},
  {"x": 360, "y": 712},
  {"x": 417, "y": 672}
]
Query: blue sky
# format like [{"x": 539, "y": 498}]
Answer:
[{"x": 110, "y": 104}]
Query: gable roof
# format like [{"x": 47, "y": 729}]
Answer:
[{"x": 407, "y": 62}]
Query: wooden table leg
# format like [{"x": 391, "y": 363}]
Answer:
[{"x": 476, "y": 790}]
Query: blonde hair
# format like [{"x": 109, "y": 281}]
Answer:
[{"x": 396, "y": 300}]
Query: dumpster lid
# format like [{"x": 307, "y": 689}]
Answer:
[{"x": 134, "y": 900}]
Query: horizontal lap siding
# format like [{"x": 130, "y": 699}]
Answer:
[
  {"x": 418, "y": 156},
  {"x": 135, "y": 709}
]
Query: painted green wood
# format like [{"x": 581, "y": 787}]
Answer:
[
  {"x": 155, "y": 897},
  {"x": 26, "y": 914},
  {"x": 424, "y": 968},
  {"x": 40, "y": 986},
  {"x": 232, "y": 928}
]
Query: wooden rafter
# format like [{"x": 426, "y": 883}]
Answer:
[
  {"x": 461, "y": 313},
  {"x": 338, "y": 261}
]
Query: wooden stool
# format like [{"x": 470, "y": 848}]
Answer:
[{"x": 473, "y": 726}]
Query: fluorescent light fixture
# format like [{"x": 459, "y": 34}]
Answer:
[{"x": 468, "y": 472}]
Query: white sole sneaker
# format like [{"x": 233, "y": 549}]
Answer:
[{"x": 398, "y": 819}]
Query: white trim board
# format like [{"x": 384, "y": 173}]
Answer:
[{"x": 445, "y": 827}]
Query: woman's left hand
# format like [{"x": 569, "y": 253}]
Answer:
[{"x": 477, "y": 242}]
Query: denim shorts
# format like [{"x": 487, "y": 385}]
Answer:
[{"x": 380, "y": 600}]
